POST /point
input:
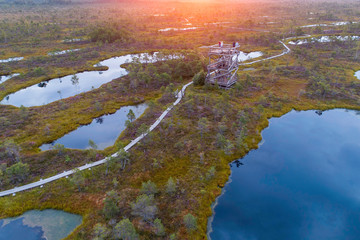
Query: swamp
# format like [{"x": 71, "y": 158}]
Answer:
[{"x": 111, "y": 129}]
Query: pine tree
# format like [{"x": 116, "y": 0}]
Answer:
[
  {"x": 125, "y": 230},
  {"x": 190, "y": 222},
  {"x": 131, "y": 115},
  {"x": 100, "y": 232},
  {"x": 144, "y": 207},
  {"x": 78, "y": 179},
  {"x": 149, "y": 188},
  {"x": 111, "y": 209},
  {"x": 159, "y": 228},
  {"x": 170, "y": 186}
]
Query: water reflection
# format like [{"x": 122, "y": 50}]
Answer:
[
  {"x": 16, "y": 230},
  {"x": 62, "y": 52},
  {"x": 103, "y": 130},
  {"x": 236, "y": 163},
  {"x": 324, "y": 39},
  {"x": 247, "y": 56},
  {"x": 357, "y": 75},
  {"x": 7, "y": 77},
  {"x": 71, "y": 85},
  {"x": 11, "y": 59},
  {"x": 39, "y": 225},
  {"x": 42, "y": 84},
  {"x": 302, "y": 183},
  {"x": 99, "y": 120}
]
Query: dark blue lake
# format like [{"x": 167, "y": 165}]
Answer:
[
  {"x": 302, "y": 183},
  {"x": 39, "y": 225},
  {"x": 103, "y": 130}
]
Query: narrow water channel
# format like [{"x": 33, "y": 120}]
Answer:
[{"x": 302, "y": 183}]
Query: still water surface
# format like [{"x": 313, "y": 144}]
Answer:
[
  {"x": 71, "y": 85},
  {"x": 4, "y": 78},
  {"x": 103, "y": 130},
  {"x": 11, "y": 59},
  {"x": 357, "y": 74},
  {"x": 39, "y": 225},
  {"x": 302, "y": 183}
]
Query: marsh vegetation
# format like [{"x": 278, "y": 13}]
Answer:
[{"x": 163, "y": 187}]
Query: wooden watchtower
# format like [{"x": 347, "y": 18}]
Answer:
[{"x": 223, "y": 64}]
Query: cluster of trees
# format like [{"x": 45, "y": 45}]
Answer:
[
  {"x": 229, "y": 132},
  {"x": 331, "y": 84},
  {"x": 199, "y": 78},
  {"x": 246, "y": 83},
  {"x": 24, "y": 29},
  {"x": 109, "y": 33},
  {"x": 118, "y": 162},
  {"x": 143, "y": 208},
  {"x": 268, "y": 39},
  {"x": 220, "y": 124},
  {"x": 328, "y": 87},
  {"x": 160, "y": 68},
  {"x": 12, "y": 169},
  {"x": 329, "y": 16}
]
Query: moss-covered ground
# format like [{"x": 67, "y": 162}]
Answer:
[{"x": 196, "y": 141}]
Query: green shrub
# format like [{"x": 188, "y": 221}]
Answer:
[
  {"x": 18, "y": 172},
  {"x": 148, "y": 188},
  {"x": 190, "y": 222},
  {"x": 199, "y": 78},
  {"x": 125, "y": 230}
]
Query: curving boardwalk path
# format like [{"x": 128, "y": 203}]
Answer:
[
  {"x": 41, "y": 182},
  {"x": 287, "y": 50},
  {"x": 179, "y": 96}
]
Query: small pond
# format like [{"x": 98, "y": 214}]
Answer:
[
  {"x": 62, "y": 52},
  {"x": 247, "y": 56},
  {"x": 7, "y": 77},
  {"x": 71, "y": 85},
  {"x": 324, "y": 39},
  {"x": 39, "y": 225},
  {"x": 11, "y": 59},
  {"x": 357, "y": 75},
  {"x": 302, "y": 183},
  {"x": 73, "y": 40},
  {"x": 103, "y": 130}
]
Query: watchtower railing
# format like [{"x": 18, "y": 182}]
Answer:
[{"x": 223, "y": 64}]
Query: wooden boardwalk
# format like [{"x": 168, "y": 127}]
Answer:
[
  {"x": 41, "y": 182},
  {"x": 179, "y": 96}
]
